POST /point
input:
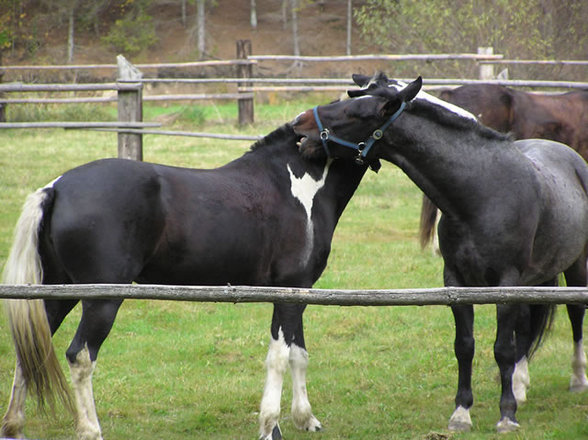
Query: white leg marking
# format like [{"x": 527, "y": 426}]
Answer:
[
  {"x": 460, "y": 420},
  {"x": 521, "y": 380},
  {"x": 579, "y": 382},
  {"x": 276, "y": 364},
  {"x": 81, "y": 370},
  {"x": 305, "y": 189},
  {"x": 506, "y": 425},
  {"x": 436, "y": 247},
  {"x": 14, "y": 419},
  {"x": 301, "y": 410}
]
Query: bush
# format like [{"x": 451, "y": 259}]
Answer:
[{"x": 131, "y": 35}]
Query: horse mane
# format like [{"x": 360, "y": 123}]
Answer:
[
  {"x": 443, "y": 116},
  {"x": 279, "y": 133}
]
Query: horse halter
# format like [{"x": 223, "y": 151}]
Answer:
[{"x": 362, "y": 148}]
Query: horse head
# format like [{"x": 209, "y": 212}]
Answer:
[{"x": 350, "y": 128}]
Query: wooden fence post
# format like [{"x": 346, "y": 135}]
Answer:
[
  {"x": 244, "y": 71},
  {"x": 130, "y": 109},
  {"x": 486, "y": 70}
]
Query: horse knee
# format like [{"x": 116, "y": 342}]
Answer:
[{"x": 465, "y": 348}]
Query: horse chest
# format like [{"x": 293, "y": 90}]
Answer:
[{"x": 305, "y": 189}]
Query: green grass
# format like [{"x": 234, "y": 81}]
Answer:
[{"x": 185, "y": 370}]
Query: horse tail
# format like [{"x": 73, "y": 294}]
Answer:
[
  {"x": 27, "y": 318},
  {"x": 427, "y": 224},
  {"x": 542, "y": 316}
]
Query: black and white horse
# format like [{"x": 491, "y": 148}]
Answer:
[
  {"x": 266, "y": 218},
  {"x": 514, "y": 214}
]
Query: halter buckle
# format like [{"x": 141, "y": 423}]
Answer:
[
  {"x": 377, "y": 134},
  {"x": 359, "y": 159},
  {"x": 324, "y": 134}
]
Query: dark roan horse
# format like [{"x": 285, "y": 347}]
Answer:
[
  {"x": 561, "y": 117},
  {"x": 266, "y": 218},
  {"x": 515, "y": 214}
]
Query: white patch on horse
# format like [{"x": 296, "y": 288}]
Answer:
[
  {"x": 521, "y": 380},
  {"x": 14, "y": 419},
  {"x": 301, "y": 409},
  {"x": 276, "y": 364},
  {"x": 52, "y": 183},
  {"x": 434, "y": 100},
  {"x": 305, "y": 189},
  {"x": 579, "y": 382},
  {"x": 81, "y": 371},
  {"x": 460, "y": 420}
]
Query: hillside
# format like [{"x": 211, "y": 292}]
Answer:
[{"x": 322, "y": 30}]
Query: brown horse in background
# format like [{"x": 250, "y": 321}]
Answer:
[{"x": 561, "y": 117}]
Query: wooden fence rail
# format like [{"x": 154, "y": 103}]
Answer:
[{"x": 250, "y": 294}]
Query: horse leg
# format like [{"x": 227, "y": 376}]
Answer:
[
  {"x": 577, "y": 276},
  {"x": 524, "y": 338},
  {"x": 464, "y": 347},
  {"x": 97, "y": 319},
  {"x": 14, "y": 419},
  {"x": 286, "y": 345},
  {"x": 504, "y": 353},
  {"x": 520, "y": 377},
  {"x": 301, "y": 409}
]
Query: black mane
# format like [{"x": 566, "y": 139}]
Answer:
[
  {"x": 443, "y": 116},
  {"x": 279, "y": 133}
]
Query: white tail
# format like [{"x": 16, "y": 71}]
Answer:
[{"x": 28, "y": 320}]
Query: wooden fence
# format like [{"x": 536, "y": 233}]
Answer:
[
  {"x": 447, "y": 296},
  {"x": 130, "y": 83}
]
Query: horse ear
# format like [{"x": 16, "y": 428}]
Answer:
[
  {"x": 360, "y": 80},
  {"x": 410, "y": 91}
]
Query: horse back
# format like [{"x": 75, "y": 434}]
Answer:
[
  {"x": 492, "y": 104},
  {"x": 562, "y": 118}
]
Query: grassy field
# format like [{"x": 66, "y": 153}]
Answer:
[{"x": 182, "y": 370}]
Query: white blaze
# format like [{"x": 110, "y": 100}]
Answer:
[{"x": 305, "y": 189}]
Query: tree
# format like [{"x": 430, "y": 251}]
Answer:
[
  {"x": 349, "y": 26},
  {"x": 200, "y": 26},
  {"x": 517, "y": 28}
]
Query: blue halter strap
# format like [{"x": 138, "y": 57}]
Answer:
[{"x": 362, "y": 148}]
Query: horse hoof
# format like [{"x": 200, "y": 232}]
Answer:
[
  {"x": 460, "y": 420},
  {"x": 314, "y": 425},
  {"x": 578, "y": 385},
  {"x": 276, "y": 434},
  {"x": 506, "y": 425},
  {"x": 311, "y": 424}
]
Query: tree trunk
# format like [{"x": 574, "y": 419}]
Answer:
[
  {"x": 70, "y": 36},
  {"x": 201, "y": 28},
  {"x": 349, "y": 26},
  {"x": 253, "y": 15},
  {"x": 183, "y": 7},
  {"x": 294, "y": 5},
  {"x": 284, "y": 14}
]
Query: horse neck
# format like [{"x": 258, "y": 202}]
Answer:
[
  {"x": 453, "y": 166},
  {"x": 332, "y": 183}
]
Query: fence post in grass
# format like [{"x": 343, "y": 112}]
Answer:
[
  {"x": 486, "y": 70},
  {"x": 130, "y": 109},
  {"x": 244, "y": 71}
]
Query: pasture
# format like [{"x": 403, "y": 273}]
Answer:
[{"x": 186, "y": 370}]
